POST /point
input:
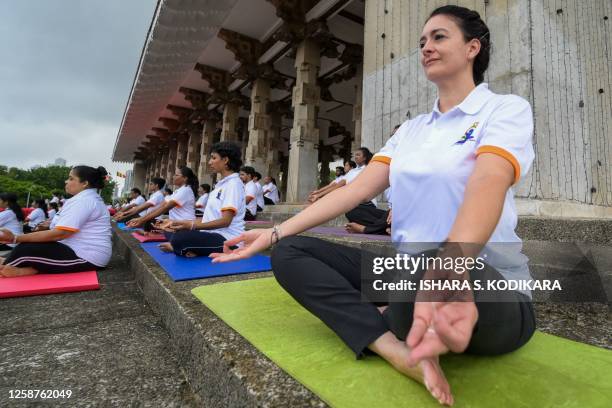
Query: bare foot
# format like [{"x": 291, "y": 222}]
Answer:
[
  {"x": 428, "y": 372},
  {"x": 190, "y": 255},
  {"x": 354, "y": 228},
  {"x": 166, "y": 247},
  {"x": 7, "y": 271},
  {"x": 388, "y": 230}
]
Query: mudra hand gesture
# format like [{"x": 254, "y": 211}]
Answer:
[{"x": 253, "y": 241}]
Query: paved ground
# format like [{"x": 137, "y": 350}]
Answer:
[{"x": 106, "y": 346}]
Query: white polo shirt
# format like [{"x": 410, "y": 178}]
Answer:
[
  {"x": 184, "y": 199},
  {"x": 272, "y": 192},
  {"x": 36, "y": 217},
  {"x": 86, "y": 215},
  {"x": 139, "y": 201},
  {"x": 51, "y": 213},
  {"x": 9, "y": 221},
  {"x": 202, "y": 200},
  {"x": 432, "y": 156},
  {"x": 352, "y": 175},
  {"x": 251, "y": 191},
  {"x": 260, "y": 201},
  {"x": 228, "y": 195},
  {"x": 156, "y": 200}
]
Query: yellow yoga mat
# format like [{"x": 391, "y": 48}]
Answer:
[{"x": 547, "y": 372}]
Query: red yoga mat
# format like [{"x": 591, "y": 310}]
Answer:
[
  {"x": 149, "y": 238},
  {"x": 44, "y": 284}
]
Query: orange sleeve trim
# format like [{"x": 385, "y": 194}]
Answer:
[
  {"x": 506, "y": 155},
  {"x": 176, "y": 203},
  {"x": 382, "y": 159},
  {"x": 232, "y": 209},
  {"x": 67, "y": 229}
]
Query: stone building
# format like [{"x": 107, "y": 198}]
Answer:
[{"x": 301, "y": 83}]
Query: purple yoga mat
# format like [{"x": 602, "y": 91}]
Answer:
[{"x": 341, "y": 232}]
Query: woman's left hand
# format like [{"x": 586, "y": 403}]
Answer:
[
  {"x": 180, "y": 225},
  {"x": 6, "y": 236}
]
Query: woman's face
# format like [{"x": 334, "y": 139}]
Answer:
[
  {"x": 347, "y": 167},
  {"x": 74, "y": 185},
  {"x": 444, "y": 52},
  {"x": 179, "y": 180},
  {"x": 359, "y": 157},
  {"x": 216, "y": 163}
]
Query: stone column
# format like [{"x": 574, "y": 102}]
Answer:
[
  {"x": 139, "y": 174},
  {"x": 182, "y": 145},
  {"x": 163, "y": 167},
  {"x": 259, "y": 125},
  {"x": 272, "y": 147},
  {"x": 171, "y": 163},
  {"x": 356, "y": 143},
  {"x": 208, "y": 135},
  {"x": 230, "y": 123},
  {"x": 158, "y": 162},
  {"x": 303, "y": 154},
  {"x": 193, "y": 150}
]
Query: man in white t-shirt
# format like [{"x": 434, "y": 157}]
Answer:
[
  {"x": 136, "y": 199},
  {"x": 203, "y": 192},
  {"x": 250, "y": 192},
  {"x": 156, "y": 199}
]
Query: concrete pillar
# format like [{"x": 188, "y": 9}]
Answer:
[
  {"x": 139, "y": 174},
  {"x": 163, "y": 167},
  {"x": 182, "y": 145},
  {"x": 171, "y": 163},
  {"x": 208, "y": 135},
  {"x": 259, "y": 125},
  {"x": 230, "y": 123},
  {"x": 157, "y": 166},
  {"x": 356, "y": 143},
  {"x": 304, "y": 139},
  {"x": 193, "y": 150},
  {"x": 272, "y": 147}
]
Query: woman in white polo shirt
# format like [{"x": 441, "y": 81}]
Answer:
[
  {"x": 11, "y": 218},
  {"x": 451, "y": 173},
  {"x": 180, "y": 205},
  {"x": 270, "y": 191},
  {"x": 36, "y": 217},
  {"x": 224, "y": 214},
  {"x": 79, "y": 238}
]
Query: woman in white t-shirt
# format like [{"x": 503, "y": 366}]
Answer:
[
  {"x": 180, "y": 204},
  {"x": 53, "y": 209},
  {"x": 79, "y": 238},
  {"x": 203, "y": 193},
  {"x": 270, "y": 191},
  {"x": 36, "y": 217},
  {"x": 451, "y": 173},
  {"x": 224, "y": 214},
  {"x": 11, "y": 218}
]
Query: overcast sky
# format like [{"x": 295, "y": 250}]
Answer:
[{"x": 66, "y": 71}]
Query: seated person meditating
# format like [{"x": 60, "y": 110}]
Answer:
[
  {"x": 155, "y": 201},
  {"x": 11, "y": 218},
  {"x": 36, "y": 217},
  {"x": 136, "y": 200},
  {"x": 203, "y": 192},
  {"x": 78, "y": 239},
  {"x": 250, "y": 190},
  {"x": 339, "y": 181},
  {"x": 270, "y": 191},
  {"x": 224, "y": 214},
  {"x": 451, "y": 173},
  {"x": 180, "y": 205}
]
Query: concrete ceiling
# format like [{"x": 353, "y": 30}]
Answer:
[{"x": 184, "y": 32}]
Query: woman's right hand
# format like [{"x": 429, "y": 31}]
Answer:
[
  {"x": 135, "y": 222},
  {"x": 254, "y": 241},
  {"x": 6, "y": 236}
]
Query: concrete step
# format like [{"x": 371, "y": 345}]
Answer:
[
  {"x": 226, "y": 370},
  {"x": 105, "y": 346}
]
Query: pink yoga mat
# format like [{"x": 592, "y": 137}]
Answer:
[
  {"x": 149, "y": 238},
  {"x": 44, "y": 284}
]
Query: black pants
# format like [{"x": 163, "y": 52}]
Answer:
[
  {"x": 47, "y": 257},
  {"x": 249, "y": 217},
  {"x": 4, "y": 247},
  {"x": 200, "y": 243},
  {"x": 325, "y": 278},
  {"x": 267, "y": 201},
  {"x": 373, "y": 219}
]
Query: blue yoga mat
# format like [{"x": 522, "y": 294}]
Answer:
[
  {"x": 180, "y": 268},
  {"x": 123, "y": 227}
]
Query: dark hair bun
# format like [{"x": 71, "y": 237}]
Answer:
[
  {"x": 95, "y": 177},
  {"x": 102, "y": 171}
]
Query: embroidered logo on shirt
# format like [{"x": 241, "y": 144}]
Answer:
[
  {"x": 468, "y": 135},
  {"x": 219, "y": 194}
]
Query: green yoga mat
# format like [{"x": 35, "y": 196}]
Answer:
[{"x": 547, "y": 372}]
